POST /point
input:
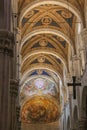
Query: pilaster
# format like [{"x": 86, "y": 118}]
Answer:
[
  {"x": 83, "y": 58},
  {"x": 5, "y": 14},
  {"x": 6, "y": 52},
  {"x": 84, "y": 39},
  {"x": 76, "y": 66}
]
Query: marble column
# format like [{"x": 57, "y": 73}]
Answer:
[
  {"x": 18, "y": 118},
  {"x": 6, "y": 52},
  {"x": 14, "y": 94}
]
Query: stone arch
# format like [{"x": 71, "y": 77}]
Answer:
[
  {"x": 46, "y": 31},
  {"x": 34, "y": 77},
  {"x": 60, "y": 2},
  {"x": 84, "y": 102},
  {"x": 52, "y": 52},
  {"x": 25, "y": 75}
]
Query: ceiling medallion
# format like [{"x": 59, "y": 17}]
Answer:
[
  {"x": 43, "y": 42},
  {"x": 41, "y": 59},
  {"x": 60, "y": 39},
  {"x": 39, "y": 72},
  {"x": 29, "y": 14},
  {"x": 46, "y": 20},
  {"x": 40, "y": 109},
  {"x": 66, "y": 13}
]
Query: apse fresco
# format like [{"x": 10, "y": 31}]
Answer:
[
  {"x": 40, "y": 109},
  {"x": 39, "y": 86}
]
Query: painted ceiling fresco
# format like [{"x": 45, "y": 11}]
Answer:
[
  {"x": 79, "y": 4},
  {"x": 40, "y": 109},
  {"x": 39, "y": 86},
  {"x": 47, "y": 33},
  {"x": 49, "y": 16}
]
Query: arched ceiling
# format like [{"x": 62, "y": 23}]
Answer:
[{"x": 48, "y": 30}]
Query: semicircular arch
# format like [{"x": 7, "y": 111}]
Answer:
[
  {"x": 46, "y": 31},
  {"x": 25, "y": 75},
  {"x": 54, "y": 53},
  {"x": 62, "y": 3}
]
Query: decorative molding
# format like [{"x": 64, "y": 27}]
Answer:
[
  {"x": 6, "y": 42},
  {"x": 14, "y": 87}
]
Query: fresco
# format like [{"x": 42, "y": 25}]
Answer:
[
  {"x": 40, "y": 109},
  {"x": 39, "y": 86}
]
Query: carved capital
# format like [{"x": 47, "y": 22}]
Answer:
[
  {"x": 6, "y": 42},
  {"x": 75, "y": 58},
  {"x": 13, "y": 87}
]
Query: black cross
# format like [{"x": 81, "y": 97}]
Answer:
[{"x": 74, "y": 84}]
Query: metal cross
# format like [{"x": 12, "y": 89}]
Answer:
[{"x": 74, "y": 84}]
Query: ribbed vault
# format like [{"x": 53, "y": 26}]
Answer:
[{"x": 48, "y": 31}]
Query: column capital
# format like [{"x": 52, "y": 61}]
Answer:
[
  {"x": 75, "y": 57},
  {"x": 6, "y": 42},
  {"x": 6, "y": 34},
  {"x": 14, "y": 87},
  {"x": 68, "y": 77}
]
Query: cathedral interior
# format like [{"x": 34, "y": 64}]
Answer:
[{"x": 43, "y": 64}]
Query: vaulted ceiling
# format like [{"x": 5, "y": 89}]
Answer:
[{"x": 48, "y": 29}]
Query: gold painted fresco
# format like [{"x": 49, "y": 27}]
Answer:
[
  {"x": 77, "y": 3},
  {"x": 48, "y": 34},
  {"x": 40, "y": 110}
]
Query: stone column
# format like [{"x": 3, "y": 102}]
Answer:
[
  {"x": 85, "y": 12},
  {"x": 18, "y": 118},
  {"x": 5, "y": 14},
  {"x": 14, "y": 94},
  {"x": 84, "y": 39},
  {"x": 76, "y": 66},
  {"x": 83, "y": 58},
  {"x": 6, "y": 52}
]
